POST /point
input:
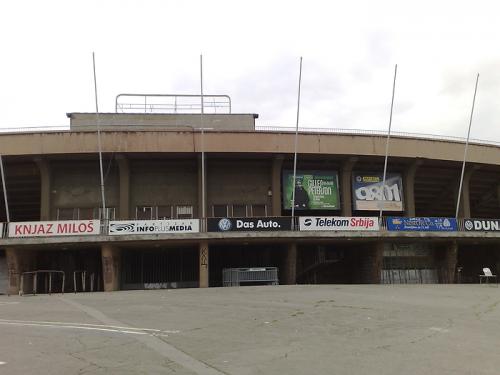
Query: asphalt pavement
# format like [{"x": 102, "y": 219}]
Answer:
[{"x": 329, "y": 329}]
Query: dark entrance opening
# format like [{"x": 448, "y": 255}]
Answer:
[
  {"x": 160, "y": 268},
  {"x": 472, "y": 258},
  {"x": 76, "y": 264},
  {"x": 337, "y": 263}
]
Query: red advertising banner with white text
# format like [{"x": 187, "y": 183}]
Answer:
[{"x": 54, "y": 228}]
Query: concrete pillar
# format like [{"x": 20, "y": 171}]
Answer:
[
  {"x": 200, "y": 191},
  {"x": 276, "y": 184},
  {"x": 409, "y": 188},
  {"x": 111, "y": 267},
  {"x": 124, "y": 170},
  {"x": 291, "y": 265},
  {"x": 371, "y": 264},
  {"x": 45, "y": 186},
  {"x": 345, "y": 186},
  {"x": 18, "y": 261},
  {"x": 449, "y": 263},
  {"x": 203, "y": 256},
  {"x": 464, "y": 208}
]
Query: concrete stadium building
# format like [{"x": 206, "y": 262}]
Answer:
[{"x": 154, "y": 235}]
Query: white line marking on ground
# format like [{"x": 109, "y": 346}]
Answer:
[
  {"x": 8, "y": 303},
  {"x": 75, "y": 327},
  {"x": 162, "y": 347},
  {"x": 159, "y": 331},
  {"x": 3, "y": 363}
]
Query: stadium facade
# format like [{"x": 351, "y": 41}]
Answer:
[{"x": 152, "y": 233}]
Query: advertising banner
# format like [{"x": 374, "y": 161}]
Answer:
[
  {"x": 368, "y": 193},
  {"x": 422, "y": 224},
  {"x": 482, "y": 225},
  {"x": 54, "y": 228},
  {"x": 244, "y": 224},
  {"x": 154, "y": 226},
  {"x": 314, "y": 190},
  {"x": 334, "y": 223}
]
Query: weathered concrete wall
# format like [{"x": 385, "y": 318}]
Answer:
[
  {"x": 111, "y": 267},
  {"x": 238, "y": 182},
  {"x": 4, "y": 274},
  {"x": 18, "y": 261},
  {"x": 243, "y": 142},
  {"x": 129, "y": 121},
  {"x": 77, "y": 184},
  {"x": 161, "y": 183}
]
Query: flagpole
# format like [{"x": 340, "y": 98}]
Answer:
[
  {"x": 295, "y": 146},
  {"x": 465, "y": 150},
  {"x": 7, "y": 213},
  {"x": 387, "y": 142},
  {"x": 98, "y": 125},
  {"x": 203, "y": 209}
]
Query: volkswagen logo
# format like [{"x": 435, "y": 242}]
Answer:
[{"x": 224, "y": 224}]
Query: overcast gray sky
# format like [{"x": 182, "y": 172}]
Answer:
[{"x": 251, "y": 52}]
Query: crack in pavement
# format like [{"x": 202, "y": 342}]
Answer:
[{"x": 155, "y": 343}]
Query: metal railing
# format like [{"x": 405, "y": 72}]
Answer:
[
  {"x": 382, "y": 133},
  {"x": 172, "y": 103},
  {"x": 48, "y": 280},
  {"x": 287, "y": 129}
]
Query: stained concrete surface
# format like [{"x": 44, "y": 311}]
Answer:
[{"x": 331, "y": 329}]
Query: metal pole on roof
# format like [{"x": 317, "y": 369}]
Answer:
[
  {"x": 202, "y": 143},
  {"x": 296, "y": 141},
  {"x": 465, "y": 150},
  {"x": 98, "y": 125},
  {"x": 7, "y": 214},
  {"x": 381, "y": 203}
]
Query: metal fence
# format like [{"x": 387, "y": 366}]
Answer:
[{"x": 253, "y": 276}]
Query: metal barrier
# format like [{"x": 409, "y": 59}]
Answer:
[
  {"x": 83, "y": 278},
  {"x": 48, "y": 279},
  {"x": 237, "y": 276}
]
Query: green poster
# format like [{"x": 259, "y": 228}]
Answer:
[{"x": 314, "y": 190}]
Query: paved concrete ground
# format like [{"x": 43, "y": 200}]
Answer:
[{"x": 335, "y": 329}]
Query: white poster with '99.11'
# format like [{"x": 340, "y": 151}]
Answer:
[{"x": 369, "y": 193}]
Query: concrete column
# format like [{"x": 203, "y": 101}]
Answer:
[
  {"x": 371, "y": 265},
  {"x": 345, "y": 186},
  {"x": 111, "y": 267},
  {"x": 276, "y": 184},
  {"x": 464, "y": 208},
  {"x": 449, "y": 263},
  {"x": 200, "y": 192},
  {"x": 203, "y": 256},
  {"x": 291, "y": 265},
  {"x": 124, "y": 170},
  {"x": 409, "y": 188},
  {"x": 45, "y": 178},
  {"x": 18, "y": 261}
]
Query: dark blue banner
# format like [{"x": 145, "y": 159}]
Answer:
[{"x": 425, "y": 224}]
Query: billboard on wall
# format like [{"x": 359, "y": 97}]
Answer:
[
  {"x": 368, "y": 194},
  {"x": 54, "y": 228},
  {"x": 247, "y": 224},
  {"x": 422, "y": 224},
  {"x": 334, "y": 223},
  {"x": 314, "y": 190},
  {"x": 154, "y": 226}
]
